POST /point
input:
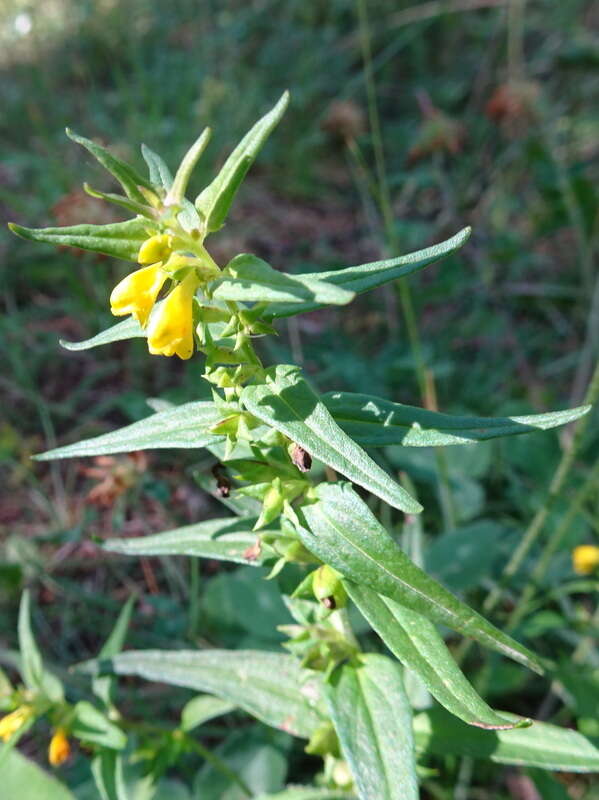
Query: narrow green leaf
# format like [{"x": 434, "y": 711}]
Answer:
[
  {"x": 125, "y": 174},
  {"x": 91, "y": 725},
  {"x": 119, "y": 200},
  {"x": 345, "y": 534},
  {"x": 31, "y": 659},
  {"x": 186, "y": 426},
  {"x": 179, "y": 187},
  {"x": 33, "y": 672},
  {"x": 23, "y": 779},
  {"x": 202, "y": 708},
  {"x": 373, "y": 720},
  {"x": 118, "y": 239},
  {"x": 542, "y": 745},
  {"x": 107, "y": 770},
  {"x": 221, "y": 539},
  {"x": 288, "y": 403},
  {"x": 215, "y": 200},
  {"x": 160, "y": 174},
  {"x": 250, "y": 279},
  {"x": 417, "y": 644},
  {"x": 364, "y": 277},
  {"x": 374, "y": 422},
  {"x": 127, "y": 329},
  {"x": 270, "y": 686},
  {"x": 103, "y": 687}
]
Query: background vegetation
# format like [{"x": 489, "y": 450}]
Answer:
[{"x": 486, "y": 119}]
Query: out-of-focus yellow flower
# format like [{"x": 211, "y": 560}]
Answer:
[
  {"x": 171, "y": 329},
  {"x": 137, "y": 293},
  {"x": 585, "y": 559},
  {"x": 59, "y": 749},
  {"x": 156, "y": 248},
  {"x": 13, "y": 722}
]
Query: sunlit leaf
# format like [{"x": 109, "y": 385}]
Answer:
[
  {"x": 186, "y": 426},
  {"x": 364, "y": 277},
  {"x": 215, "y": 200},
  {"x": 374, "y": 422},
  {"x": 117, "y": 239},
  {"x": 344, "y": 533},
  {"x": 417, "y": 644},
  {"x": 270, "y": 686},
  {"x": 286, "y": 402},
  {"x": 222, "y": 539}
]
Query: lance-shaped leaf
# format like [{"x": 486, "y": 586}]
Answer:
[
  {"x": 286, "y": 402},
  {"x": 125, "y": 174},
  {"x": 542, "y": 745},
  {"x": 417, "y": 644},
  {"x": 250, "y": 279},
  {"x": 35, "y": 676},
  {"x": 124, "y": 202},
  {"x": 118, "y": 239},
  {"x": 103, "y": 687},
  {"x": 345, "y": 534},
  {"x": 374, "y": 422},
  {"x": 160, "y": 175},
  {"x": 91, "y": 725},
  {"x": 186, "y": 426},
  {"x": 373, "y": 719},
  {"x": 215, "y": 200},
  {"x": 364, "y": 277},
  {"x": 270, "y": 686},
  {"x": 221, "y": 539},
  {"x": 127, "y": 329}
]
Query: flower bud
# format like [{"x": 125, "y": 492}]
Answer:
[
  {"x": 59, "y": 749},
  {"x": 327, "y": 588},
  {"x": 323, "y": 741},
  {"x": 156, "y": 248}
]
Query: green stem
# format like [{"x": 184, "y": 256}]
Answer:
[
  {"x": 402, "y": 287},
  {"x": 515, "y": 39},
  {"x": 537, "y": 523},
  {"x": 551, "y": 546}
]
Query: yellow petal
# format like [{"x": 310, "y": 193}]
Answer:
[
  {"x": 156, "y": 248},
  {"x": 14, "y": 721},
  {"x": 585, "y": 559},
  {"x": 137, "y": 293},
  {"x": 171, "y": 328},
  {"x": 59, "y": 749}
]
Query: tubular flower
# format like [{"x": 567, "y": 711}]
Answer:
[
  {"x": 137, "y": 293},
  {"x": 171, "y": 329},
  {"x": 13, "y": 722},
  {"x": 585, "y": 559},
  {"x": 59, "y": 749}
]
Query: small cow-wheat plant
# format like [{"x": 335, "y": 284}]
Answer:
[{"x": 266, "y": 427}]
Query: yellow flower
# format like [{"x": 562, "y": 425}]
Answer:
[
  {"x": 156, "y": 248},
  {"x": 171, "y": 329},
  {"x": 59, "y": 749},
  {"x": 137, "y": 293},
  {"x": 585, "y": 559},
  {"x": 13, "y": 722}
]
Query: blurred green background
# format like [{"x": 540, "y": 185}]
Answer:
[{"x": 488, "y": 118}]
